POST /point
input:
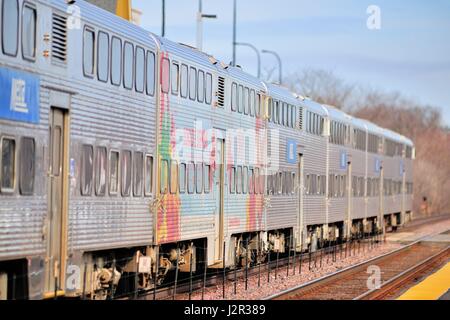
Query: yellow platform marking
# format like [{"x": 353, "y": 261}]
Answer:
[{"x": 432, "y": 288}]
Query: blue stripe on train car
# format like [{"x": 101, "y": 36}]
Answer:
[{"x": 19, "y": 96}]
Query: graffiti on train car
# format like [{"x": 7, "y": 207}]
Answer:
[{"x": 19, "y": 97}]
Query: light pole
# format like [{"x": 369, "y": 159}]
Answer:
[
  {"x": 280, "y": 65},
  {"x": 200, "y": 17},
  {"x": 234, "y": 33},
  {"x": 163, "y": 12},
  {"x": 258, "y": 57}
]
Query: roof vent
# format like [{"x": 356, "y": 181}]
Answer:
[{"x": 59, "y": 38}]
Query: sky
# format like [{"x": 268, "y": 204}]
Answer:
[{"x": 409, "y": 53}]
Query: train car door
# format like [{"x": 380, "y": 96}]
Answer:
[
  {"x": 300, "y": 195},
  {"x": 219, "y": 181},
  {"x": 55, "y": 259}
]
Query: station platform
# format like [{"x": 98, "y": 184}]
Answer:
[{"x": 434, "y": 287}]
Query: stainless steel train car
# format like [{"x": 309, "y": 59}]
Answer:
[{"x": 125, "y": 155}]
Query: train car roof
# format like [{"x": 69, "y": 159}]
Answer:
[
  {"x": 313, "y": 106},
  {"x": 338, "y": 115},
  {"x": 281, "y": 93},
  {"x": 108, "y": 21}
]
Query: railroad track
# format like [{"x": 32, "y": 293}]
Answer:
[{"x": 398, "y": 269}]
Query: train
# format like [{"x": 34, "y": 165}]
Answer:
[{"x": 125, "y": 155}]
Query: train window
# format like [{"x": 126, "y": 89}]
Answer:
[
  {"x": 192, "y": 83},
  {"x": 10, "y": 27},
  {"x": 184, "y": 81},
  {"x": 164, "y": 176},
  {"x": 240, "y": 99},
  {"x": 8, "y": 163},
  {"x": 148, "y": 186},
  {"x": 294, "y": 182},
  {"x": 233, "y": 180},
  {"x": 165, "y": 75},
  {"x": 201, "y": 86},
  {"x": 88, "y": 52},
  {"x": 113, "y": 172},
  {"x": 138, "y": 168},
  {"x": 270, "y": 109},
  {"x": 252, "y": 103},
  {"x": 251, "y": 181},
  {"x": 208, "y": 93},
  {"x": 116, "y": 61},
  {"x": 150, "y": 68},
  {"x": 233, "y": 96},
  {"x": 128, "y": 65},
  {"x": 87, "y": 170},
  {"x": 207, "y": 177},
  {"x": 191, "y": 177},
  {"x": 29, "y": 32},
  {"x": 103, "y": 56},
  {"x": 257, "y": 182},
  {"x": 308, "y": 184},
  {"x": 258, "y": 106},
  {"x": 245, "y": 180},
  {"x": 182, "y": 178},
  {"x": 199, "y": 177},
  {"x": 283, "y": 113},
  {"x": 173, "y": 177},
  {"x": 27, "y": 166},
  {"x": 279, "y": 182},
  {"x": 342, "y": 186},
  {"x": 126, "y": 173},
  {"x": 277, "y": 112},
  {"x": 246, "y": 100},
  {"x": 175, "y": 78},
  {"x": 100, "y": 171},
  {"x": 239, "y": 180},
  {"x": 140, "y": 69}
]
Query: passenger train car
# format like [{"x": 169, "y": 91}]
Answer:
[{"x": 125, "y": 155}]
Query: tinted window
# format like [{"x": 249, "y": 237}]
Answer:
[
  {"x": 116, "y": 61},
  {"x": 165, "y": 75},
  {"x": 113, "y": 172},
  {"x": 241, "y": 99},
  {"x": 27, "y": 166},
  {"x": 8, "y": 164},
  {"x": 201, "y": 86},
  {"x": 199, "y": 177},
  {"x": 128, "y": 57},
  {"x": 150, "y": 66},
  {"x": 140, "y": 69},
  {"x": 148, "y": 175},
  {"x": 182, "y": 178},
  {"x": 252, "y": 102},
  {"x": 184, "y": 81},
  {"x": 87, "y": 169},
  {"x": 258, "y": 105},
  {"x": 233, "y": 180},
  {"x": 192, "y": 83},
  {"x": 29, "y": 32},
  {"x": 208, "y": 94},
  {"x": 175, "y": 78},
  {"x": 206, "y": 177},
  {"x": 173, "y": 177},
  {"x": 88, "y": 52},
  {"x": 138, "y": 168},
  {"x": 100, "y": 171},
  {"x": 10, "y": 27},
  {"x": 233, "y": 96},
  {"x": 103, "y": 57},
  {"x": 164, "y": 176},
  {"x": 126, "y": 173},
  {"x": 191, "y": 177},
  {"x": 246, "y": 101}
]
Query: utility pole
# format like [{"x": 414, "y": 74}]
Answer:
[
  {"x": 234, "y": 33},
  {"x": 200, "y": 17},
  {"x": 280, "y": 65},
  {"x": 163, "y": 31},
  {"x": 258, "y": 56}
]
